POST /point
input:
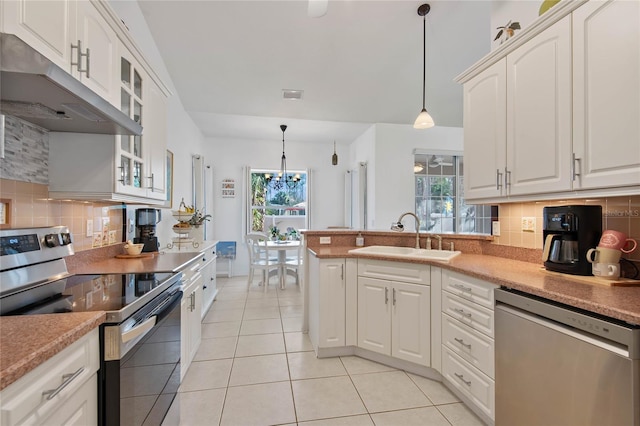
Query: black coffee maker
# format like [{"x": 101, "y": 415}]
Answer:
[
  {"x": 146, "y": 221},
  {"x": 568, "y": 232}
]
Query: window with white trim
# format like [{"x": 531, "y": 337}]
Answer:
[{"x": 439, "y": 191}]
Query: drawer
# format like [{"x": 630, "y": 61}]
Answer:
[
  {"x": 479, "y": 388},
  {"x": 469, "y": 344},
  {"x": 395, "y": 271},
  {"x": 65, "y": 372},
  {"x": 474, "y": 289},
  {"x": 469, "y": 313}
]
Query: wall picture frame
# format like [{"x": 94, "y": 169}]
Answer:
[{"x": 169, "y": 176}]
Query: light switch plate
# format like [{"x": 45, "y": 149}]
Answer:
[
  {"x": 325, "y": 240},
  {"x": 89, "y": 228},
  {"x": 495, "y": 228}
]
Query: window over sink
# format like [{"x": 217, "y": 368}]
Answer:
[{"x": 439, "y": 196}]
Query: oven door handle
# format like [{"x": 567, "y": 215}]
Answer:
[{"x": 139, "y": 330}]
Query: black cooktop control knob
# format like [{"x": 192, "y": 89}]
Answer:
[
  {"x": 66, "y": 238},
  {"x": 52, "y": 240}
]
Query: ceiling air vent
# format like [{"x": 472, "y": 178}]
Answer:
[{"x": 292, "y": 95}]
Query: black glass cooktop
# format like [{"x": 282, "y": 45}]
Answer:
[{"x": 101, "y": 292}]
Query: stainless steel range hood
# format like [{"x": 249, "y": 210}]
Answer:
[{"x": 38, "y": 91}]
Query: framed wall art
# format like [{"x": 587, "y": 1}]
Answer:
[{"x": 228, "y": 188}]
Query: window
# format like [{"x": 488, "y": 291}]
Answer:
[
  {"x": 283, "y": 208},
  {"x": 440, "y": 205}
]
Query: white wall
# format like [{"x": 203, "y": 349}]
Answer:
[
  {"x": 183, "y": 137},
  {"x": 227, "y": 157}
]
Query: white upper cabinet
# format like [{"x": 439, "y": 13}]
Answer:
[
  {"x": 539, "y": 113},
  {"x": 554, "y": 112},
  {"x": 98, "y": 41},
  {"x": 606, "y": 87},
  {"x": 155, "y": 135},
  {"x": 71, "y": 33},
  {"x": 44, "y": 25},
  {"x": 485, "y": 142}
]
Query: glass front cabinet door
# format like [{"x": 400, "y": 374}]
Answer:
[{"x": 131, "y": 173}]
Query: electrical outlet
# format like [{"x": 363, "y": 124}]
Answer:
[
  {"x": 89, "y": 228},
  {"x": 529, "y": 224},
  {"x": 325, "y": 240},
  {"x": 495, "y": 228}
]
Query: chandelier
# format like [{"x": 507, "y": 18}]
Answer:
[{"x": 282, "y": 179}]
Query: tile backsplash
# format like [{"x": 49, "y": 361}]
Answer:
[
  {"x": 30, "y": 207},
  {"x": 619, "y": 213},
  {"x": 24, "y": 180}
]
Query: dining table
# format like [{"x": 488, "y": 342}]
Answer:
[{"x": 281, "y": 246}]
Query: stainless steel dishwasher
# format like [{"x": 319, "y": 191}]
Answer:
[{"x": 561, "y": 366}]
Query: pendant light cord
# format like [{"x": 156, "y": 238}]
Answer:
[{"x": 424, "y": 58}]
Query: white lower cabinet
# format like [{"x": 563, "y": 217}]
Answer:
[
  {"x": 327, "y": 302},
  {"x": 394, "y": 317},
  {"x": 190, "y": 316},
  {"x": 62, "y": 390},
  {"x": 209, "y": 283},
  {"x": 467, "y": 339},
  {"x": 479, "y": 388}
]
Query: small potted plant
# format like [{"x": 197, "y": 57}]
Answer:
[
  {"x": 274, "y": 232},
  {"x": 292, "y": 234},
  {"x": 198, "y": 218}
]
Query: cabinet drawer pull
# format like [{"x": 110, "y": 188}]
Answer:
[
  {"x": 394, "y": 297},
  {"x": 461, "y": 287},
  {"x": 461, "y": 377},
  {"x": 386, "y": 296},
  {"x": 461, "y": 341},
  {"x": 498, "y": 179},
  {"x": 507, "y": 177},
  {"x": 151, "y": 178},
  {"x": 67, "y": 378},
  {"x": 462, "y": 312}
]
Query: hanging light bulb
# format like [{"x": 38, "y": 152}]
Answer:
[
  {"x": 424, "y": 120},
  {"x": 334, "y": 157}
]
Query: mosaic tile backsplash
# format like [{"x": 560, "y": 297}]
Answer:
[{"x": 24, "y": 180}]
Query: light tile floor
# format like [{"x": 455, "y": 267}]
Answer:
[{"x": 255, "y": 367}]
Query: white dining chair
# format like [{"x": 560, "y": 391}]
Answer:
[
  {"x": 260, "y": 258},
  {"x": 293, "y": 262}
]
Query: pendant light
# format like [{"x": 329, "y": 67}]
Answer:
[
  {"x": 424, "y": 120},
  {"x": 334, "y": 157},
  {"x": 283, "y": 178}
]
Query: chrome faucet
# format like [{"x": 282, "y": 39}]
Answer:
[{"x": 398, "y": 226}]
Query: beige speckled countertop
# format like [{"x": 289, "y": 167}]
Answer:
[
  {"x": 160, "y": 262},
  {"x": 26, "y": 341},
  {"x": 622, "y": 303}
]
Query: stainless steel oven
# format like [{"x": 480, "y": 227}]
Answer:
[{"x": 139, "y": 342}]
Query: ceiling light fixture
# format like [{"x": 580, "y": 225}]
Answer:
[
  {"x": 283, "y": 178},
  {"x": 424, "y": 120},
  {"x": 334, "y": 157}
]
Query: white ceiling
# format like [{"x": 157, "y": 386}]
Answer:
[{"x": 359, "y": 64}]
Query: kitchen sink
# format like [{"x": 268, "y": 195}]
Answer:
[{"x": 407, "y": 253}]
